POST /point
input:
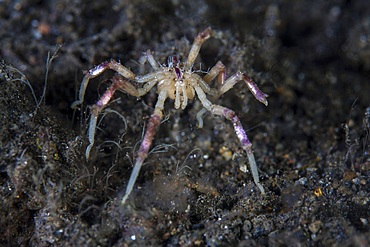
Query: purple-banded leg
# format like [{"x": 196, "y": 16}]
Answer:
[
  {"x": 246, "y": 144},
  {"x": 94, "y": 72},
  {"x": 239, "y": 76},
  {"x": 154, "y": 121},
  {"x": 230, "y": 115},
  {"x": 117, "y": 83},
  {"x": 194, "y": 51},
  {"x": 224, "y": 86}
]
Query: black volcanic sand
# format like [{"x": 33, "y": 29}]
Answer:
[{"x": 311, "y": 143}]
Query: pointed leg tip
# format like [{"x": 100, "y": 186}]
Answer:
[
  {"x": 123, "y": 202},
  {"x": 261, "y": 189},
  {"x": 75, "y": 104},
  {"x": 206, "y": 33}
]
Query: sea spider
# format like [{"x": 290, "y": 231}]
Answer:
[{"x": 178, "y": 82}]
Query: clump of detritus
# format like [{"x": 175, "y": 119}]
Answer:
[
  {"x": 12, "y": 75},
  {"x": 34, "y": 151}
]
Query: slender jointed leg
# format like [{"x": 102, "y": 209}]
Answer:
[
  {"x": 246, "y": 144},
  {"x": 230, "y": 115},
  {"x": 117, "y": 83},
  {"x": 218, "y": 70},
  {"x": 224, "y": 86},
  {"x": 154, "y": 121},
  {"x": 148, "y": 56},
  {"x": 239, "y": 76},
  {"x": 194, "y": 51},
  {"x": 149, "y": 81},
  {"x": 94, "y": 72}
]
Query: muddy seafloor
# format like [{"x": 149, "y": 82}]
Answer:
[{"x": 311, "y": 143}]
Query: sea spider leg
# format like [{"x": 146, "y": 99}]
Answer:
[
  {"x": 218, "y": 70},
  {"x": 150, "y": 80},
  {"x": 94, "y": 72},
  {"x": 239, "y": 76},
  {"x": 154, "y": 121},
  {"x": 194, "y": 51},
  {"x": 230, "y": 115},
  {"x": 117, "y": 83},
  {"x": 224, "y": 86},
  {"x": 148, "y": 56}
]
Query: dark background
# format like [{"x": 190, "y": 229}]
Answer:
[{"x": 311, "y": 143}]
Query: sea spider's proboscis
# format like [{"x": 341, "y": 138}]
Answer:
[{"x": 178, "y": 82}]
